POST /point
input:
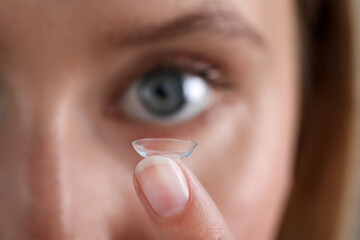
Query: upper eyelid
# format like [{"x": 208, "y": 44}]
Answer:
[
  {"x": 144, "y": 62},
  {"x": 214, "y": 75}
]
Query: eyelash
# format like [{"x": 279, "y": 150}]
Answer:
[{"x": 196, "y": 66}]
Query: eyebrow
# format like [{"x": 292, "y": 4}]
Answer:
[{"x": 217, "y": 22}]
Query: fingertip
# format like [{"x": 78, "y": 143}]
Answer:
[{"x": 163, "y": 184}]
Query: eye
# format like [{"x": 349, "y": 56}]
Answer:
[{"x": 167, "y": 96}]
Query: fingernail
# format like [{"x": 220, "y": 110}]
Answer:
[{"x": 163, "y": 184}]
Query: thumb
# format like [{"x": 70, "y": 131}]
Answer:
[{"x": 177, "y": 204}]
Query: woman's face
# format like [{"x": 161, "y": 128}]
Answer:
[{"x": 80, "y": 80}]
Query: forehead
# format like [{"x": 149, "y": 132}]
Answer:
[
  {"x": 27, "y": 26},
  {"x": 38, "y": 17},
  {"x": 61, "y": 15}
]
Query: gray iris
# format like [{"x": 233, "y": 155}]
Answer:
[{"x": 162, "y": 92}]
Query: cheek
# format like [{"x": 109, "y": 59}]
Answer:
[
  {"x": 99, "y": 187},
  {"x": 245, "y": 161}
]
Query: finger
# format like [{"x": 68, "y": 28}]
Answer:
[{"x": 177, "y": 204}]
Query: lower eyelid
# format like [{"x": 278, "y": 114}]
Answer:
[{"x": 180, "y": 130}]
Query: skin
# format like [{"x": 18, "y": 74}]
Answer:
[{"x": 66, "y": 161}]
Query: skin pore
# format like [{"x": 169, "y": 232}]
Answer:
[{"x": 66, "y": 161}]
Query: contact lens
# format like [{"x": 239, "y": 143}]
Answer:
[{"x": 168, "y": 147}]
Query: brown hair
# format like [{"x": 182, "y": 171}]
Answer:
[{"x": 315, "y": 210}]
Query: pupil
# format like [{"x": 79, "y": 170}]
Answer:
[{"x": 162, "y": 92}]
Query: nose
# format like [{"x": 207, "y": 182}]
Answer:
[
  {"x": 34, "y": 186},
  {"x": 58, "y": 178}
]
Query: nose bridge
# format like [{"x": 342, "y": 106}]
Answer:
[
  {"x": 33, "y": 165},
  {"x": 47, "y": 183},
  {"x": 39, "y": 104}
]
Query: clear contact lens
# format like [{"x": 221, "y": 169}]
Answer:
[{"x": 169, "y": 147}]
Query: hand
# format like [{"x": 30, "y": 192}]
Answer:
[{"x": 178, "y": 206}]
